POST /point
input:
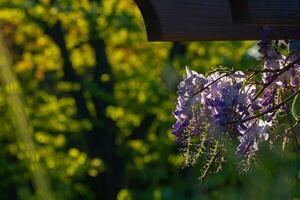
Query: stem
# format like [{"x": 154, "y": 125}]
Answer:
[
  {"x": 267, "y": 111},
  {"x": 227, "y": 74},
  {"x": 264, "y": 70},
  {"x": 291, "y": 130},
  {"x": 212, "y": 83},
  {"x": 281, "y": 71},
  {"x": 293, "y": 107},
  {"x": 211, "y": 162},
  {"x": 287, "y": 132}
]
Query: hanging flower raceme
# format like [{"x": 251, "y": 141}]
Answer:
[
  {"x": 191, "y": 85},
  {"x": 235, "y": 105}
]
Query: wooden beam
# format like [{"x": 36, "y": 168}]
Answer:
[
  {"x": 151, "y": 19},
  {"x": 196, "y": 20},
  {"x": 272, "y": 12}
]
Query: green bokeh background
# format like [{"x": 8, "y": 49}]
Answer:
[{"x": 98, "y": 99}]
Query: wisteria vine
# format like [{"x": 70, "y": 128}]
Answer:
[{"x": 242, "y": 106}]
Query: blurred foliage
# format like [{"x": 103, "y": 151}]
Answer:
[{"x": 100, "y": 97}]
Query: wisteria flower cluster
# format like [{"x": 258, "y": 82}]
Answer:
[{"x": 241, "y": 106}]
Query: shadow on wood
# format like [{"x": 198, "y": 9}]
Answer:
[
  {"x": 272, "y": 12},
  {"x": 195, "y": 20}
]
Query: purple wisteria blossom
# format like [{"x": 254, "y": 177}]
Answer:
[
  {"x": 187, "y": 97},
  {"x": 226, "y": 99},
  {"x": 240, "y": 105},
  {"x": 210, "y": 105},
  {"x": 257, "y": 130}
]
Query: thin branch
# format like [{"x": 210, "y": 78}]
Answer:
[
  {"x": 208, "y": 85},
  {"x": 211, "y": 162},
  {"x": 266, "y": 111},
  {"x": 292, "y": 127},
  {"x": 287, "y": 132},
  {"x": 283, "y": 70},
  {"x": 265, "y": 70}
]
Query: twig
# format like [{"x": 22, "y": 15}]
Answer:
[
  {"x": 292, "y": 127},
  {"x": 266, "y": 111},
  {"x": 202, "y": 178},
  {"x": 208, "y": 85},
  {"x": 283, "y": 70}
]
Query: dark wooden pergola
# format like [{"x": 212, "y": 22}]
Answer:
[{"x": 197, "y": 20}]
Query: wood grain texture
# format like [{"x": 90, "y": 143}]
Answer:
[
  {"x": 275, "y": 12},
  {"x": 196, "y": 20}
]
